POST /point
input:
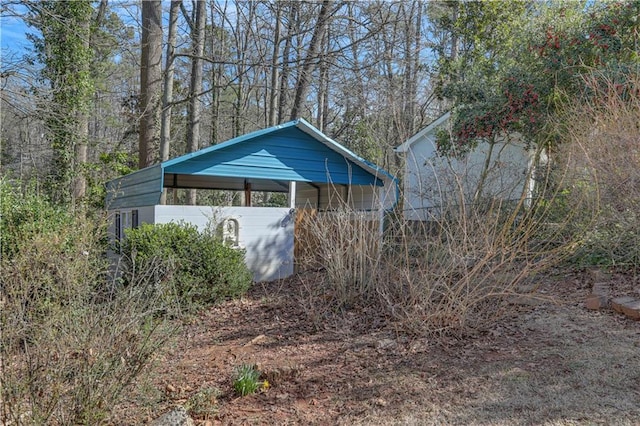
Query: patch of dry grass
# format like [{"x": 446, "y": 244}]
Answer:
[{"x": 566, "y": 370}]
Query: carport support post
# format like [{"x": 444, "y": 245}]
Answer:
[
  {"x": 292, "y": 195},
  {"x": 247, "y": 194}
]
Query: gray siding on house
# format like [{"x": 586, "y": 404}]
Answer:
[
  {"x": 324, "y": 197},
  {"x": 141, "y": 188},
  {"x": 145, "y": 215}
]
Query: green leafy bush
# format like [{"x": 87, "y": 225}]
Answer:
[
  {"x": 202, "y": 269},
  {"x": 25, "y": 214}
]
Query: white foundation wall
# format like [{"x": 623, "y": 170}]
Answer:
[{"x": 265, "y": 233}]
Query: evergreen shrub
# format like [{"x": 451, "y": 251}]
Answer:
[{"x": 202, "y": 269}]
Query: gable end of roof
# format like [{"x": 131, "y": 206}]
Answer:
[{"x": 404, "y": 147}]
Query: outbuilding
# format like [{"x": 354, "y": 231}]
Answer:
[
  {"x": 501, "y": 169},
  {"x": 295, "y": 158}
]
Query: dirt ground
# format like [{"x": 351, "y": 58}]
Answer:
[{"x": 552, "y": 362}]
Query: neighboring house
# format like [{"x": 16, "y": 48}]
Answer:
[
  {"x": 433, "y": 182},
  {"x": 293, "y": 158}
]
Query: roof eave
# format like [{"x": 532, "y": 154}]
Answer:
[
  {"x": 404, "y": 147},
  {"x": 331, "y": 144}
]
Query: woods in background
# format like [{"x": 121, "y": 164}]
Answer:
[{"x": 106, "y": 87}]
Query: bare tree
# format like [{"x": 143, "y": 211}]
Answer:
[
  {"x": 193, "y": 131},
  {"x": 217, "y": 71},
  {"x": 302, "y": 84},
  {"x": 167, "y": 93},
  {"x": 323, "y": 80},
  {"x": 273, "y": 93},
  {"x": 150, "y": 81},
  {"x": 79, "y": 183},
  {"x": 284, "y": 75}
]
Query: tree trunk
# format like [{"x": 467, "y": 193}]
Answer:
[
  {"x": 486, "y": 167},
  {"x": 302, "y": 85},
  {"x": 216, "y": 75},
  {"x": 79, "y": 178},
  {"x": 195, "y": 110},
  {"x": 150, "y": 81},
  {"x": 284, "y": 75},
  {"x": 357, "y": 105},
  {"x": 413, "y": 36},
  {"x": 454, "y": 37},
  {"x": 167, "y": 95},
  {"x": 273, "y": 94},
  {"x": 323, "y": 86}
]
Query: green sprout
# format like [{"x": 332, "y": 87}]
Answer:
[{"x": 246, "y": 379}]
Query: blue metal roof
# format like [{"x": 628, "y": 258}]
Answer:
[{"x": 294, "y": 151}]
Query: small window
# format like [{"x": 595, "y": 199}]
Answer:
[
  {"x": 117, "y": 227},
  {"x": 124, "y": 220}
]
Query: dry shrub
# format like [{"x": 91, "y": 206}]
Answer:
[
  {"x": 463, "y": 269},
  {"x": 346, "y": 245},
  {"x": 451, "y": 275},
  {"x": 72, "y": 339},
  {"x": 602, "y": 152}
]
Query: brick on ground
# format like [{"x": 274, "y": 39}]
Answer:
[
  {"x": 599, "y": 297},
  {"x": 596, "y": 302},
  {"x": 627, "y": 305}
]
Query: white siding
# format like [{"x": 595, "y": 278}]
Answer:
[
  {"x": 266, "y": 233},
  {"x": 432, "y": 180}
]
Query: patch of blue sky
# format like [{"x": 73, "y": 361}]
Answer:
[{"x": 13, "y": 35}]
